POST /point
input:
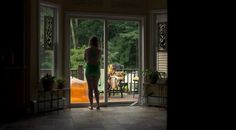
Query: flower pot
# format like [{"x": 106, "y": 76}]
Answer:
[
  {"x": 153, "y": 80},
  {"x": 60, "y": 86},
  {"x": 48, "y": 85}
]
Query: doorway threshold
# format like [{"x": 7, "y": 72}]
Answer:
[{"x": 111, "y": 104}]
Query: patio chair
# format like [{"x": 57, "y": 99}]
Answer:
[{"x": 116, "y": 84}]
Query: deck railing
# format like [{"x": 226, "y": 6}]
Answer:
[{"x": 129, "y": 77}]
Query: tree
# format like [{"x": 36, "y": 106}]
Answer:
[
  {"x": 77, "y": 57},
  {"x": 122, "y": 40},
  {"x": 82, "y": 30}
]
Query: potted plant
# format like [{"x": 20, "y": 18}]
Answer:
[
  {"x": 151, "y": 75},
  {"x": 61, "y": 83},
  {"x": 48, "y": 82}
]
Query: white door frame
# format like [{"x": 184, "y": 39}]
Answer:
[{"x": 105, "y": 17}]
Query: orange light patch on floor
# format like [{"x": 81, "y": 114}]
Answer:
[{"x": 78, "y": 91}]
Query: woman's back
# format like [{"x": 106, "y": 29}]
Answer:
[{"x": 93, "y": 56}]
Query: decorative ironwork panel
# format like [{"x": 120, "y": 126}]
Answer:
[
  {"x": 48, "y": 33},
  {"x": 162, "y": 36}
]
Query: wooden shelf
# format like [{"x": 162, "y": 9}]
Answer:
[{"x": 50, "y": 100}]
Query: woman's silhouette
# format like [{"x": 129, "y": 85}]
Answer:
[{"x": 92, "y": 58}]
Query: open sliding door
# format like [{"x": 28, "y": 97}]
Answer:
[{"x": 120, "y": 40}]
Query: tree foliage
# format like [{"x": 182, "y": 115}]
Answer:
[
  {"x": 77, "y": 57},
  {"x": 123, "y": 42}
]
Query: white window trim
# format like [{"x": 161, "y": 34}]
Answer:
[{"x": 57, "y": 43}]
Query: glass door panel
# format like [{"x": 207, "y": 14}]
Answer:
[
  {"x": 123, "y": 52},
  {"x": 80, "y": 32},
  {"x": 122, "y": 47}
]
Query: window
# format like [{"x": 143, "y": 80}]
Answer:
[
  {"x": 160, "y": 40},
  {"x": 47, "y": 39}
]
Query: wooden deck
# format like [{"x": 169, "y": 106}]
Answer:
[{"x": 116, "y": 98}]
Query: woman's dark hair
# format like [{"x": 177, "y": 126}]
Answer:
[{"x": 93, "y": 41}]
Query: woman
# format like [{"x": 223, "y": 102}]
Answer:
[{"x": 92, "y": 58}]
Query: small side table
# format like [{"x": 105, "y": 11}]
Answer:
[{"x": 47, "y": 98}]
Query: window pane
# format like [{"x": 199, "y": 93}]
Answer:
[{"x": 46, "y": 40}]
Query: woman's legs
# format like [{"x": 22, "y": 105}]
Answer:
[
  {"x": 93, "y": 85},
  {"x": 90, "y": 90},
  {"x": 96, "y": 92}
]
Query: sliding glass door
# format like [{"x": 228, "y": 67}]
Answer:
[
  {"x": 123, "y": 52},
  {"x": 120, "y": 41},
  {"x": 80, "y": 32}
]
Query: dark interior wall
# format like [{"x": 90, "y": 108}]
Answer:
[
  {"x": 19, "y": 42},
  {"x": 12, "y": 60},
  {"x": 115, "y": 6},
  {"x": 12, "y": 33},
  {"x": 107, "y": 6},
  {"x": 157, "y": 4}
]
